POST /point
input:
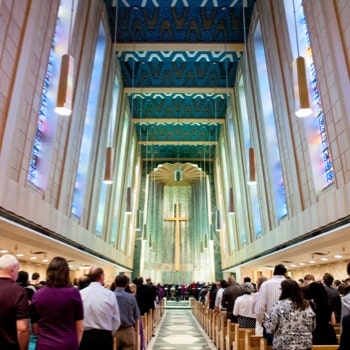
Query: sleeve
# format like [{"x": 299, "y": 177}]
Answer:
[
  {"x": 115, "y": 313},
  {"x": 272, "y": 319},
  {"x": 235, "y": 310},
  {"x": 260, "y": 306},
  {"x": 22, "y": 306},
  {"x": 79, "y": 310}
]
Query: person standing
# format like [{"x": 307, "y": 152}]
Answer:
[
  {"x": 268, "y": 294},
  {"x": 57, "y": 310},
  {"x": 344, "y": 342},
  {"x": 229, "y": 296},
  {"x": 129, "y": 315},
  {"x": 244, "y": 307},
  {"x": 14, "y": 310},
  {"x": 333, "y": 295},
  {"x": 101, "y": 311},
  {"x": 291, "y": 319}
]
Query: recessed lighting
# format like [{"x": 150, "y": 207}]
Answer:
[
  {"x": 293, "y": 265},
  {"x": 301, "y": 263},
  {"x": 324, "y": 259},
  {"x": 33, "y": 258},
  {"x": 3, "y": 251},
  {"x": 19, "y": 255},
  {"x": 45, "y": 260},
  {"x": 338, "y": 256},
  {"x": 312, "y": 261}
]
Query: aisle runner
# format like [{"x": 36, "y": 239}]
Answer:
[{"x": 179, "y": 330}]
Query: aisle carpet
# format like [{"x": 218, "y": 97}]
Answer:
[{"x": 179, "y": 330}]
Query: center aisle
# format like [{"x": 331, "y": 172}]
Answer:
[{"x": 179, "y": 330}]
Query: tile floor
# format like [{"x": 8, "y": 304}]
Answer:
[{"x": 179, "y": 330}]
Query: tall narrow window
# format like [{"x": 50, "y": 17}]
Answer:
[
  {"x": 41, "y": 160},
  {"x": 254, "y": 200},
  {"x": 320, "y": 155},
  {"x": 272, "y": 147},
  {"x": 101, "y": 216},
  {"x": 89, "y": 127}
]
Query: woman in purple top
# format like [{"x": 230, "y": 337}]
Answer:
[{"x": 57, "y": 310}]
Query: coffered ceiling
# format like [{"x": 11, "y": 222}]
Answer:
[{"x": 179, "y": 60}]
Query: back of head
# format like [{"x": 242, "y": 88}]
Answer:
[
  {"x": 35, "y": 276},
  {"x": 231, "y": 280},
  {"x": 23, "y": 278},
  {"x": 83, "y": 281},
  {"x": 96, "y": 274},
  {"x": 57, "y": 273},
  {"x": 291, "y": 290},
  {"x": 138, "y": 281},
  {"x": 279, "y": 270},
  {"x": 247, "y": 279},
  {"x": 247, "y": 288},
  {"x": 9, "y": 266},
  {"x": 121, "y": 281},
  {"x": 328, "y": 279},
  {"x": 309, "y": 277},
  {"x": 223, "y": 284}
]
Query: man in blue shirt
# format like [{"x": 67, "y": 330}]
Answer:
[{"x": 129, "y": 314}]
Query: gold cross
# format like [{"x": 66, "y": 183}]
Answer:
[{"x": 177, "y": 219}]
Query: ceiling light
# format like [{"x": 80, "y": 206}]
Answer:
[
  {"x": 33, "y": 258},
  {"x": 3, "y": 251},
  {"x": 293, "y": 265},
  {"x": 324, "y": 259},
  {"x": 337, "y": 256},
  {"x": 312, "y": 261},
  {"x": 302, "y": 263},
  {"x": 19, "y": 255},
  {"x": 45, "y": 260}
]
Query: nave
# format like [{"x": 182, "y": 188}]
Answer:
[{"x": 179, "y": 329}]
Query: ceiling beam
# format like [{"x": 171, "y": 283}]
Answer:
[
  {"x": 177, "y": 143},
  {"x": 178, "y": 120},
  {"x": 190, "y": 47},
  {"x": 177, "y": 90}
]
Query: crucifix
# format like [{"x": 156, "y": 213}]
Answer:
[{"x": 177, "y": 219}]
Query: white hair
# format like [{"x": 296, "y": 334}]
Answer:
[{"x": 8, "y": 261}]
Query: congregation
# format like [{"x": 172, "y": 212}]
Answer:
[{"x": 57, "y": 314}]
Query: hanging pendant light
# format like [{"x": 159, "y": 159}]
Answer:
[
  {"x": 109, "y": 165},
  {"x": 252, "y": 169},
  {"x": 231, "y": 209},
  {"x": 218, "y": 221},
  {"x": 128, "y": 201},
  {"x": 301, "y": 90},
  {"x": 64, "y": 102}
]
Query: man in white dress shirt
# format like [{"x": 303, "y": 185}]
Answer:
[
  {"x": 269, "y": 293},
  {"x": 101, "y": 313}
]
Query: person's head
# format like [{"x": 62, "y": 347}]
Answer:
[
  {"x": 96, "y": 274},
  {"x": 279, "y": 270},
  {"x": 138, "y": 281},
  {"x": 308, "y": 278},
  {"x": 290, "y": 289},
  {"x": 148, "y": 280},
  {"x": 121, "y": 281},
  {"x": 9, "y": 266},
  {"x": 348, "y": 268},
  {"x": 57, "y": 273},
  {"x": 23, "y": 278},
  {"x": 347, "y": 281},
  {"x": 260, "y": 281},
  {"x": 327, "y": 279},
  {"x": 246, "y": 279},
  {"x": 231, "y": 280},
  {"x": 35, "y": 277},
  {"x": 83, "y": 281},
  {"x": 223, "y": 284},
  {"x": 247, "y": 288}
]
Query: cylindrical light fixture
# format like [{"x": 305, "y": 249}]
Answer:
[
  {"x": 302, "y": 101},
  {"x": 252, "y": 170},
  {"x": 218, "y": 221},
  {"x": 109, "y": 166},
  {"x": 65, "y": 86},
  {"x": 231, "y": 208},
  {"x": 128, "y": 201}
]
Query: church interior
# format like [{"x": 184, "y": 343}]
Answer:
[{"x": 181, "y": 140}]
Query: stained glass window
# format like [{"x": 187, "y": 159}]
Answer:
[
  {"x": 320, "y": 155},
  {"x": 271, "y": 140}
]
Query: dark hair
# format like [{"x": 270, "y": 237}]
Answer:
[
  {"x": 95, "y": 274},
  {"x": 121, "y": 281},
  {"x": 57, "y": 273},
  {"x": 83, "y": 281},
  {"x": 260, "y": 281},
  {"x": 247, "y": 279},
  {"x": 348, "y": 268},
  {"x": 22, "y": 278},
  {"x": 292, "y": 291},
  {"x": 328, "y": 279},
  {"x": 279, "y": 270},
  {"x": 35, "y": 276},
  {"x": 223, "y": 284},
  {"x": 319, "y": 296}
]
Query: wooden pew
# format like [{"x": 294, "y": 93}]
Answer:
[
  {"x": 230, "y": 334},
  {"x": 252, "y": 341},
  {"x": 325, "y": 347}
]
